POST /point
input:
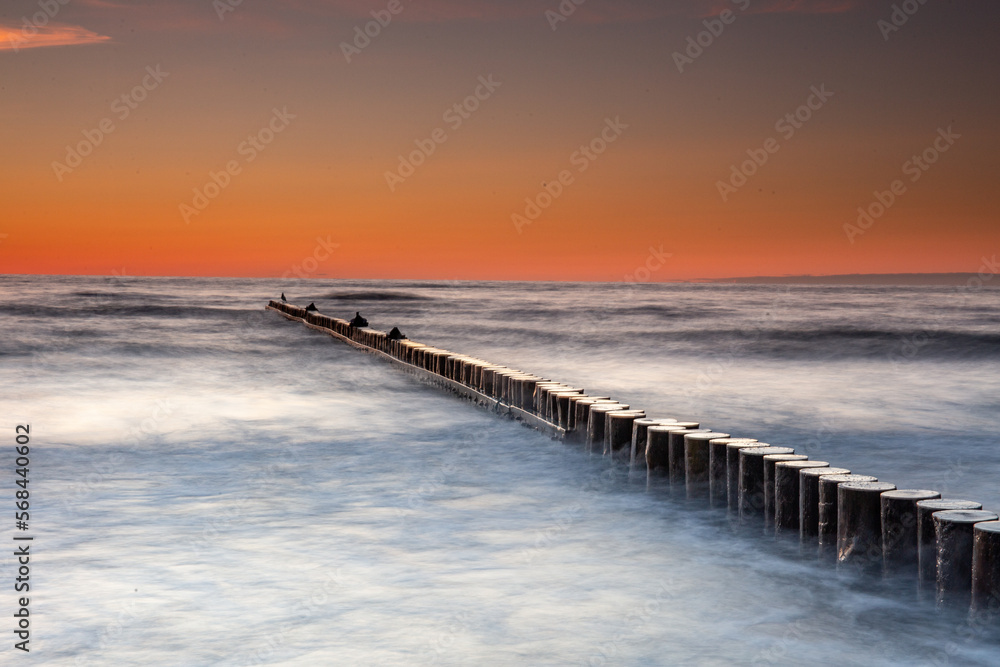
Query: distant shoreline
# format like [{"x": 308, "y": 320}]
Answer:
[{"x": 915, "y": 279}]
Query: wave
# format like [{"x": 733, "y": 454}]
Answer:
[
  {"x": 836, "y": 343},
  {"x": 376, "y": 296},
  {"x": 115, "y": 310}
]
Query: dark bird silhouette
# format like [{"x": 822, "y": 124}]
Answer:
[
  {"x": 358, "y": 321},
  {"x": 283, "y": 299},
  {"x": 312, "y": 308},
  {"x": 396, "y": 334}
]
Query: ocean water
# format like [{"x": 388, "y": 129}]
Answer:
[{"x": 212, "y": 484}]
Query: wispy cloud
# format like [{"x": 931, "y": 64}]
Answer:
[
  {"x": 794, "y": 6},
  {"x": 594, "y": 11},
  {"x": 15, "y": 38},
  {"x": 286, "y": 17}
]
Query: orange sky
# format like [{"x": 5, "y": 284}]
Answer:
[{"x": 196, "y": 87}]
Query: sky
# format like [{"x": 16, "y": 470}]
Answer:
[{"x": 499, "y": 139}]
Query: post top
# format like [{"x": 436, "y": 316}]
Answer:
[
  {"x": 740, "y": 444},
  {"x": 838, "y": 479},
  {"x": 964, "y": 516},
  {"x": 783, "y": 458},
  {"x": 802, "y": 464},
  {"x": 938, "y": 504},
  {"x": 988, "y": 526},
  {"x": 666, "y": 428},
  {"x": 763, "y": 451},
  {"x": 912, "y": 494},
  {"x": 824, "y": 472},
  {"x": 705, "y": 435},
  {"x": 871, "y": 487}
]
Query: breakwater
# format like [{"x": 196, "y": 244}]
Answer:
[{"x": 947, "y": 546}]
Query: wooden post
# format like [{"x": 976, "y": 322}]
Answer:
[
  {"x": 787, "y": 492},
  {"x": 501, "y": 381},
  {"x": 541, "y": 393},
  {"x": 658, "y": 446},
  {"x": 618, "y": 430},
  {"x": 953, "y": 531},
  {"x": 559, "y": 414},
  {"x": 551, "y": 407},
  {"x": 751, "y": 500},
  {"x": 571, "y": 410},
  {"x": 526, "y": 390},
  {"x": 733, "y": 472},
  {"x": 927, "y": 540},
  {"x": 596, "y": 423},
  {"x": 899, "y": 529},
  {"x": 697, "y": 462},
  {"x": 859, "y": 523},
  {"x": 637, "y": 456},
  {"x": 770, "y": 461},
  {"x": 809, "y": 499},
  {"x": 675, "y": 448},
  {"x": 828, "y": 508},
  {"x": 717, "y": 461},
  {"x": 582, "y": 417},
  {"x": 986, "y": 567}
]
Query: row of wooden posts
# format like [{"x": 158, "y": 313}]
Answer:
[{"x": 949, "y": 545}]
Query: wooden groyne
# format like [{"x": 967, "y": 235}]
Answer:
[{"x": 947, "y": 545}]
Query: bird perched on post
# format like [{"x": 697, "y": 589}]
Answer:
[
  {"x": 311, "y": 308},
  {"x": 358, "y": 321},
  {"x": 396, "y": 334},
  {"x": 283, "y": 299}
]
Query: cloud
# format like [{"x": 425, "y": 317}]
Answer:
[
  {"x": 590, "y": 11},
  {"x": 28, "y": 36},
  {"x": 796, "y": 6},
  {"x": 287, "y": 17}
]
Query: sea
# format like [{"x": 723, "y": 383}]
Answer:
[{"x": 212, "y": 484}]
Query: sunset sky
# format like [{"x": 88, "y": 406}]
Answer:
[{"x": 115, "y": 115}]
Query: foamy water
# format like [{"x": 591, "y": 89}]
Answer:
[{"x": 214, "y": 485}]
